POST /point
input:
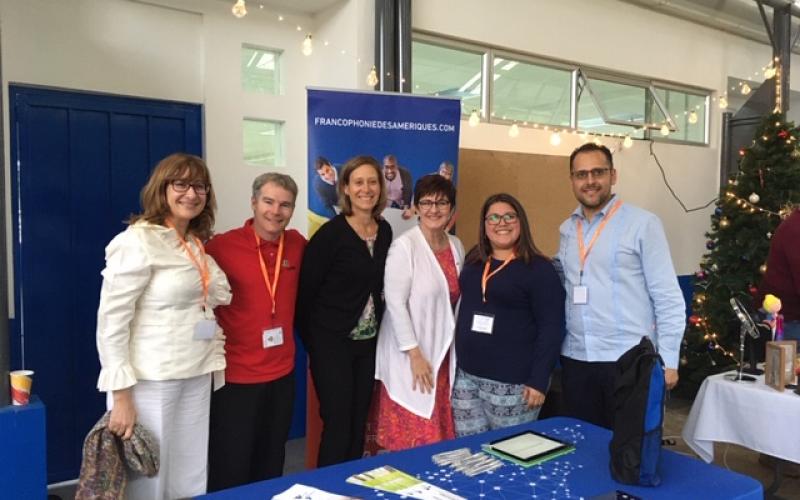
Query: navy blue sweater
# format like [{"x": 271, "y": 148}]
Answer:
[{"x": 527, "y": 302}]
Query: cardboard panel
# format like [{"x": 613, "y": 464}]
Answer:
[{"x": 540, "y": 182}]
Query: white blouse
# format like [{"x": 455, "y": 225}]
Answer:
[
  {"x": 150, "y": 302},
  {"x": 418, "y": 314}
]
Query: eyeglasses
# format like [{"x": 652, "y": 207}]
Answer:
[
  {"x": 182, "y": 186},
  {"x": 582, "y": 175},
  {"x": 428, "y": 204},
  {"x": 494, "y": 219}
]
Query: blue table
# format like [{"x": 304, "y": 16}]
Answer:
[{"x": 583, "y": 473}]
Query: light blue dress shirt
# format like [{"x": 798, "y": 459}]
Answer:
[{"x": 632, "y": 287}]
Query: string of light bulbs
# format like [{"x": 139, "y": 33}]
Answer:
[{"x": 239, "y": 10}]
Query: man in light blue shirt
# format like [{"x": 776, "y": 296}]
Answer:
[{"x": 620, "y": 285}]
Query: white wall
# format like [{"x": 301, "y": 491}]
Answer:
[
  {"x": 625, "y": 38},
  {"x": 188, "y": 50}
]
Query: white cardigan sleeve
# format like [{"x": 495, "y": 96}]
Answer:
[
  {"x": 397, "y": 288},
  {"x": 125, "y": 277}
]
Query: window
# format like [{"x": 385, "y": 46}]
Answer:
[
  {"x": 446, "y": 71},
  {"x": 260, "y": 70},
  {"x": 606, "y": 107},
  {"x": 531, "y": 93},
  {"x": 505, "y": 86},
  {"x": 263, "y": 142},
  {"x": 688, "y": 111}
]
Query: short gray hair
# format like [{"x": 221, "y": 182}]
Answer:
[{"x": 281, "y": 180}]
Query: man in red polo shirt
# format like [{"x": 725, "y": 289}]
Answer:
[{"x": 251, "y": 414}]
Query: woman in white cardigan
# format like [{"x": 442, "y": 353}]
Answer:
[
  {"x": 415, "y": 359},
  {"x": 156, "y": 335}
]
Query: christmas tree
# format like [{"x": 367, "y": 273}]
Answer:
[{"x": 747, "y": 212}]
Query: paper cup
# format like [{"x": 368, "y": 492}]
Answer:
[{"x": 21, "y": 381}]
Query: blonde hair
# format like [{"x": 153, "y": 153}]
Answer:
[
  {"x": 155, "y": 208},
  {"x": 344, "y": 179}
]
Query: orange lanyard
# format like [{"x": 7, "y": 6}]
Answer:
[
  {"x": 487, "y": 276},
  {"x": 271, "y": 287},
  {"x": 583, "y": 250},
  {"x": 202, "y": 268}
]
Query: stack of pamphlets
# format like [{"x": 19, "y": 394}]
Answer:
[{"x": 388, "y": 478}]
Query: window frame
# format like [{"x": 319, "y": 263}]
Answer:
[
  {"x": 587, "y": 72},
  {"x": 280, "y": 155},
  {"x": 278, "y": 55}
]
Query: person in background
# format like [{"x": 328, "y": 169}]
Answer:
[
  {"x": 446, "y": 170},
  {"x": 415, "y": 356},
  {"x": 620, "y": 285},
  {"x": 325, "y": 186},
  {"x": 340, "y": 305},
  {"x": 782, "y": 278},
  {"x": 398, "y": 183},
  {"x": 252, "y": 414},
  {"x": 156, "y": 335},
  {"x": 510, "y": 323}
]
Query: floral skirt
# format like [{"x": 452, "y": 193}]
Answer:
[{"x": 399, "y": 429}]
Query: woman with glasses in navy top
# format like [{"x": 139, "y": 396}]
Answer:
[{"x": 510, "y": 323}]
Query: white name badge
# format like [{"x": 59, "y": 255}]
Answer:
[
  {"x": 205, "y": 329},
  {"x": 580, "y": 295},
  {"x": 482, "y": 323},
  {"x": 272, "y": 337}
]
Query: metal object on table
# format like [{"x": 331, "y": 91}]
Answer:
[{"x": 748, "y": 327}]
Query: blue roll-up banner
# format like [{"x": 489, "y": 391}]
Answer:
[{"x": 420, "y": 132}]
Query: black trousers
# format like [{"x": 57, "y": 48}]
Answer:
[
  {"x": 344, "y": 376},
  {"x": 248, "y": 432},
  {"x": 588, "y": 390}
]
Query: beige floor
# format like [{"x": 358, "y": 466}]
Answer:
[{"x": 729, "y": 456}]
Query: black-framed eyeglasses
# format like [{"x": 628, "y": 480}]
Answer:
[
  {"x": 508, "y": 218},
  {"x": 426, "y": 204},
  {"x": 181, "y": 186},
  {"x": 597, "y": 172}
]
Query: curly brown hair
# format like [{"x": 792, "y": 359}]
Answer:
[{"x": 155, "y": 208}]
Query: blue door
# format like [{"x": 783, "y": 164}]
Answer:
[{"x": 78, "y": 163}]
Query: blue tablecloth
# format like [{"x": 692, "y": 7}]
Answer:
[{"x": 582, "y": 474}]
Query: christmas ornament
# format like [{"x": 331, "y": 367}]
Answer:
[
  {"x": 685, "y": 362},
  {"x": 701, "y": 275},
  {"x": 699, "y": 298},
  {"x": 762, "y": 269},
  {"x": 754, "y": 198},
  {"x": 714, "y": 267},
  {"x": 769, "y": 235},
  {"x": 753, "y": 290},
  {"x": 783, "y": 134},
  {"x": 710, "y": 244},
  {"x": 724, "y": 222},
  {"x": 694, "y": 319},
  {"x": 718, "y": 211}
]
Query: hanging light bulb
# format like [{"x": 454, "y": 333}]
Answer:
[
  {"x": 474, "y": 118},
  {"x": 628, "y": 142},
  {"x": 308, "y": 48},
  {"x": 513, "y": 131},
  {"x": 372, "y": 77},
  {"x": 555, "y": 139},
  {"x": 239, "y": 9},
  {"x": 745, "y": 89},
  {"x": 664, "y": 130},
  {"x": 723, "y": 101},
  {"x": 770, "y": 71},
  {"x": 692, "y": 117}
]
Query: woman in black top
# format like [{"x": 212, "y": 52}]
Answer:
[{"x": 339, "y": 307}]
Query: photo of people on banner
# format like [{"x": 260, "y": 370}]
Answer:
[{"x": 410, "y": 136}]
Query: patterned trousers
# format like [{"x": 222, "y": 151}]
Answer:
[{"x": 480, "y": 404}]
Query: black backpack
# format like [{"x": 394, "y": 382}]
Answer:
[{"x": 639, "y": 393}]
